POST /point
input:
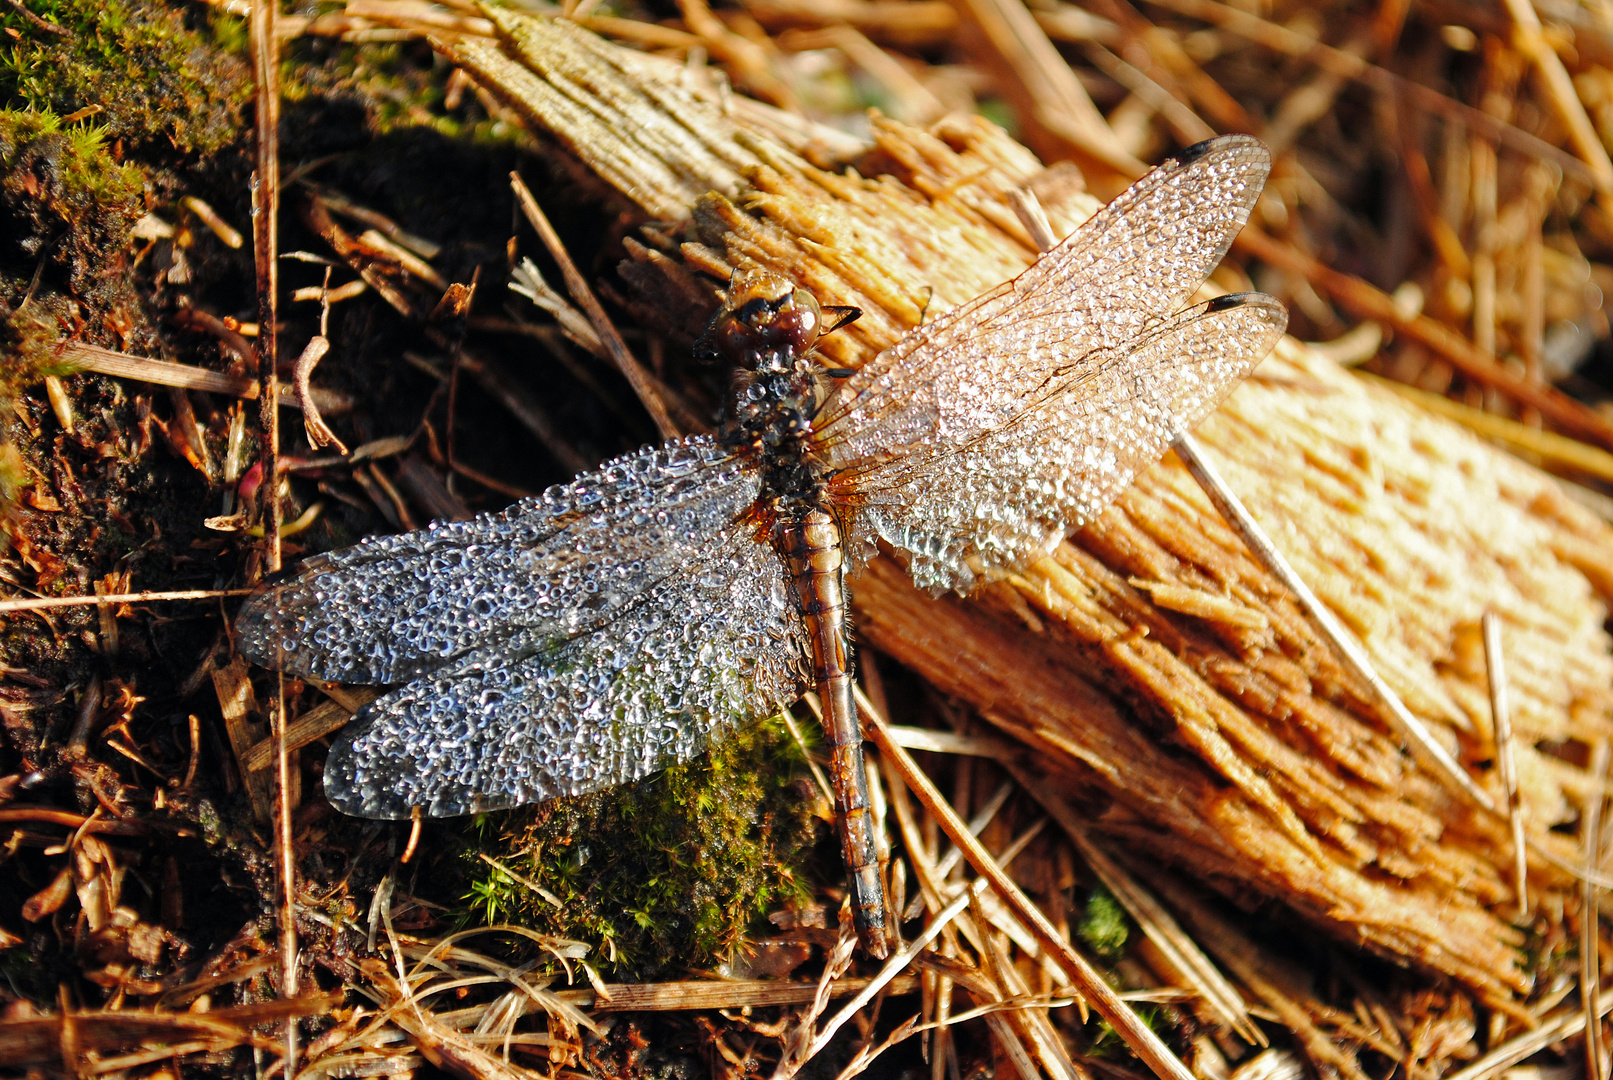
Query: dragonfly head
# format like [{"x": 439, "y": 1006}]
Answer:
[{"x": 763, "y": 315}]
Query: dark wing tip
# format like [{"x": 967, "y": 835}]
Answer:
[
  {"x": 1272, "y": 309},
  {"x": 1236, "y": 300},
  {"x": 1219, "y": 144}
]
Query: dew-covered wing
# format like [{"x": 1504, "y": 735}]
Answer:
[
  {"x": 697, "y": 655},
  {"x": 550, "y": 567},
  {"x": 983, "y": 364},
  {"x": 1015, "y": 492}
]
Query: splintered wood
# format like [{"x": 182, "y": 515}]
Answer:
[
  {"x": 1149, "y": 659},
  {"x": 1408, "y": 528}
]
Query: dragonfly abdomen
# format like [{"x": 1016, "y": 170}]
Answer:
[{"x": 810, "y": 543}]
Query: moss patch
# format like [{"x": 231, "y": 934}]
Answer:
[
  {"x": 1104, "y": 927},
  {"x": 63, "y": 200},
  {"x": 158, "y": 79},
  {"x": 675, "y": 869}
]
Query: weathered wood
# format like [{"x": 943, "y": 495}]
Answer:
[{"x": 1220, "y": 731}]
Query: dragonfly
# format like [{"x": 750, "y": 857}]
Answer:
[{"x": 625, "y": 621}]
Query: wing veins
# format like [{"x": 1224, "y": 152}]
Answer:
[
  {"x": 993, "y": 504},
  {"x": 677, "y": 669},
  {"x": 1118, "y": 353},
  {"x": 1122, "y": 272},
  {"x": 390, "y": 610}
]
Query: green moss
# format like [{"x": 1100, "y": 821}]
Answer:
[
  {"x": 1106, "y": 1042},
  {"x": 999, "y": 112},
  {"x": 27, "y": 338},
  {"x": 672, "y": 870},
  {"x": 65, "y": 207},
  {"x": 158, "y": 80},
  {"x": 62, "y": 194},
  {"x": 65, "y": 212},
  {"x": 1103, "y": 927},
  {"x": 231, "y": 33},
  {"x": 400, "y": 87}
]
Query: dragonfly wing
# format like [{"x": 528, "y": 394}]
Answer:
[
  {"x": 1018, "y": 490},
  {"x": 984, "y": 363},
  {"x": 698, "y": 655},
  {"x": 393, "y": 607}
]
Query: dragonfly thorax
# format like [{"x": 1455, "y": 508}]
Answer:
[{"x": 765, "y": 332}]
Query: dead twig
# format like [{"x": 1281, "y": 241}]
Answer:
[
  {"x": 1530, "y": 39},
  {"x": 1368, "y": 302},
  {"x": 45, "y": 603},
  {"x": 1049, "y": 96},
  {"x": 165, "y": 373},
  {"x": 584, "y": 296},
  {"x": 1561, "y": 1024},
  {"x": 319, "y": 433},
  {"x": 13, "y": 813},
  {"x": 893, "y": 967},
  {"x": 1282, "y": 39},
  {"x": 1157, "y": 922},
  {"x": 310, "y": 727},
  {"x": 266, "y": 258},
  {"x": 226, "y": 232},
  {"x": 77, "y": 1039}
]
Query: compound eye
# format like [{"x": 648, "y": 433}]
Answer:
[
  {"x": 798, "y": 322},
  {"x": 811, "y": 313},
  {"x": 735, "y": 337}
]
